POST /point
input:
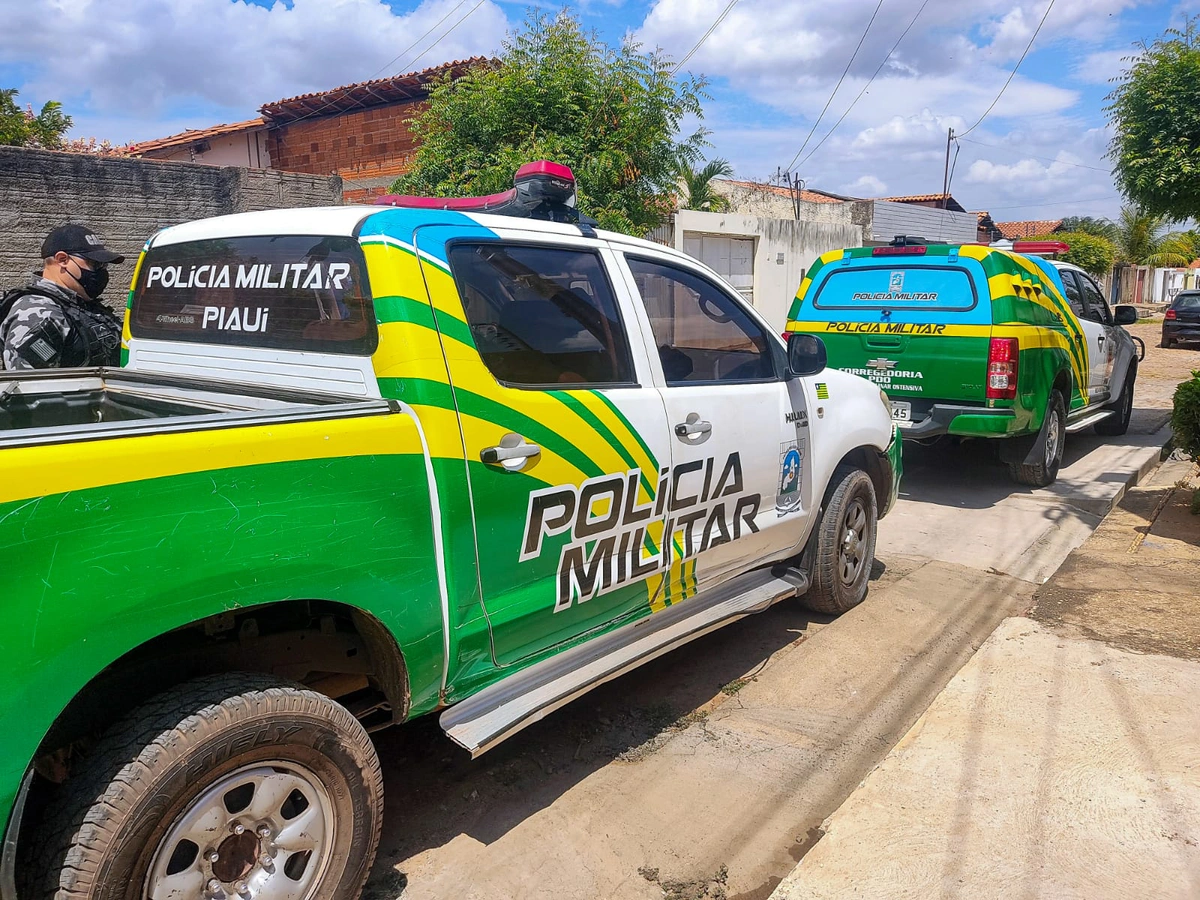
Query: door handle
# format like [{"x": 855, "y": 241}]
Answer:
[
  {"x": 692, "y": 428},
  {"x": 511, "y": 452}
]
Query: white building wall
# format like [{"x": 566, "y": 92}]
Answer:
[
  {"x": 784, "y": 249},
  {"x": 890, "y": 219},
  {"x": 247, "y": 149}
]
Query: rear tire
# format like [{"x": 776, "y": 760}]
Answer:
[
  {"x": 1044, "y": 472},
  {"x": 1119, "y": 424},
  {"x": 843, "y": 544},
  {"x": 170, "y": 783},
  {"x": 1166, "y": 343}
]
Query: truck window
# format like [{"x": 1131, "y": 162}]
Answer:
[
  {"x": 288, "y": 292},
  {"x": 703, "y": 335},
  {"x": 911, "y": 286},
  {"x": 542, "y": 316},
  {"x": 1074, "y": 297}
]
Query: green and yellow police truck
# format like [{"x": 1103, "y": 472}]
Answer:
[
  {"x": 978, "y": 342},
  {"x": 364, "y": 464}
]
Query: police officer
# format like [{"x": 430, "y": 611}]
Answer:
[{"x": 58, "y": 320}]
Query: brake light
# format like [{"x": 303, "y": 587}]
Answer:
[
  {"x": 913, "y": 250},
  {"x": 1171, "y": 314},
  {"x": 1003, "y": 356}
]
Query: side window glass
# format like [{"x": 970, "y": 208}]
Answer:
[
  {"x": 542, "y": 316},
  {"x": 1074, "y": 296},
  {"x": 1094, "y": 301},
  {"x": 702, "y": 334}
]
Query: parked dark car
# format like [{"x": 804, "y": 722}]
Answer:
[{"x": 1182, "y": 321}]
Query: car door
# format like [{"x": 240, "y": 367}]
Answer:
[
  {"x": 1098, "y": 312},
  {"x": 1094, "y": 334},
  {"x": 741, "y": 489},
  {"x": 562, "y": 430}
]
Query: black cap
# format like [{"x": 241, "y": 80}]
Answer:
[{"x": 78, "y": 240}]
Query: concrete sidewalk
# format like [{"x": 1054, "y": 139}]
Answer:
[{"x": 1063, "y": 760}]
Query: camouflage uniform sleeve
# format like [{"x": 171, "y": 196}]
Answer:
[{"x": 33, "y": 334}]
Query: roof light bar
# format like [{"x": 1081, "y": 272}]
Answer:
[
  {"x": 910, "y": 250},
  {"x": 541, "y": 190},
  {"x": 1036, "y": 248}
]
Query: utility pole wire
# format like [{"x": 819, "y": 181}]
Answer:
[
  {"x": 836, "y": 86},
  {"x": 704, "y": 37},
  {"x": 875, "y": 74},
  {"x": 1013, "y": 73}
]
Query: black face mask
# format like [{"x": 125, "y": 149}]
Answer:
[{"x": 93, "y": 281}]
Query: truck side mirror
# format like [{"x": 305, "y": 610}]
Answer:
[
  {"x": 1125, "y": 315},
  {"x": 806, "y": 354}
]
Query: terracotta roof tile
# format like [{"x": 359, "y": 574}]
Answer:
[
  {"x": 397, "y": 88},
  {"x": 192, "y": 135},
  {"x": 1027, "y": 229}
]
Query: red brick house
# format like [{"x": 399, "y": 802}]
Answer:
[{"x": 358, "y": 131}]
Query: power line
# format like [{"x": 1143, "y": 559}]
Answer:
[
  {"x": 878, "y": 69},
  {"x": 836, "y": 86},
  {"x": 1013, "y": 73},
  {"x": 704, "y": 37},
  {"x": 1019, "y": 152},
  {"x": 1058, "y": 203}
]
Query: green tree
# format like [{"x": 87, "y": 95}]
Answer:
[
  {"x": 1155, "y": 113},
  {"x": 21, "y": 128},
  {"x": 1088, "y": 225},
  {"x": 557, "y": 92},
  {"x": 1091, "y": 252},
  {"x": 1140, "y": 234},
  {"x": 695, "y": 186},
  {"x": 1178, "y": 249}
]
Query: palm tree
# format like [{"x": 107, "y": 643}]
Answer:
[
  {"x": 1178, "y": 249},
  {"x": 696, "y": 188},
  {"x": 1139, "y": 236}
]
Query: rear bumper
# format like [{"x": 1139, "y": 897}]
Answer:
[
  {"x": 1181, "y": 331},
  {"x": 968, "y": 421}
]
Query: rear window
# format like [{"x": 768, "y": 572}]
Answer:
[
  {"x": 944, "y": 288},
  {"x": 1187, "y": 301},
  {"x": 283, "y": 292}
]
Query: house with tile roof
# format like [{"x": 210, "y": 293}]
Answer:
[
  {"x": 358, "y": 131},
  {"x": 1014, "y": 231}
]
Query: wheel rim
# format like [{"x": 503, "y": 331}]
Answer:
[
  {"x": 263, "y": 832},
  {"x": 1053, "y": 438},
  {"x": 852, "y": 545}
]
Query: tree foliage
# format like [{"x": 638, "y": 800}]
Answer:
[
  {"x": 1155, "y": 113},
  {"x": 1092, "y": 253},
  {"x": 1140, "y": 234},
  {"x": 1088, "y": 225},
  {"x": 696, "y": 188},
  {"x": 21, "y": 128},
  {"x": 612, "y": 115},
  {"x": 1178, "y": 249},
  {"x": 1185, "y": 417}
]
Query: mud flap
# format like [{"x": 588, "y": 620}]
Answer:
[{"x": 1027, "y": 450}]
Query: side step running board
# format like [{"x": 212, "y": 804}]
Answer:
[
  {"x": 1092, "y": 419},
  {"x": 480, "y": 722}
]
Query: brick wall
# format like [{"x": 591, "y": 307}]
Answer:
[
  {"x": 374, "y": 143},
  {"x": 127, "y": 200}
]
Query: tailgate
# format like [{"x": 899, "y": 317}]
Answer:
[{"x": 919, "y": 329}]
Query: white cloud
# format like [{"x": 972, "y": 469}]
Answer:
[
  {"x": 865, "y": 186},
  {"x": 1102, "y": 66},
  {"x": 140, "y": 57}
]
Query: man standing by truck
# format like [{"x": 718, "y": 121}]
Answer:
[{"x": 58, "y": 321}]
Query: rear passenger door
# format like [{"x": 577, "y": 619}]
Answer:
[
  {"x": 562, "y": 431},
  {"x": 1089, "y": 307},
  {"x": 741, "y": 487}
]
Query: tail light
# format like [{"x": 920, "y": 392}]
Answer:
[
  {"x": 1003, "y": 356},
  {"x": 1171, "y": 314}
]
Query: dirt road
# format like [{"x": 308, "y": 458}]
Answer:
[{"x": 707, "y": 772}]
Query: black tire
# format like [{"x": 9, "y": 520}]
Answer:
[
  {"x": 1045, "y": 472},
  {"x": 1119, "y": 424},
  {"x": 850, "y": 499},
  {"x": 111, "y": 821},
  {"x": 1166, "y": 343}
]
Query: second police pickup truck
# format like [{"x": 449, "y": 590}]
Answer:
[{"x": 365, "y": 464}]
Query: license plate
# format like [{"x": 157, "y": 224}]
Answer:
[{"x": 901, "y": 411}]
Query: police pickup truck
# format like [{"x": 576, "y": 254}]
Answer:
[{"x": 368, "y": 463}]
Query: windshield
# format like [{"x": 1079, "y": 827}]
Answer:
[
  {"x": 942, "y": 288},
  {"x": 288, "y": 292}
]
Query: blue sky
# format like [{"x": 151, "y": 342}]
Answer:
[{"x": 138, "y": 69}]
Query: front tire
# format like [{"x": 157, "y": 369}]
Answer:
[
  {"x": 1044, "y": 472},
  {"x": 234, "y": 785},
  {"x": 844, "y": 544}
]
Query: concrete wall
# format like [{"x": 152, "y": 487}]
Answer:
[
  {"x": 127, "y": 200},
  {"x": 784, "y": 249},
  {"x": 247, "y": 149},
  {"x": 890, "y": 219},
  {"x": 767, "y": 201}
]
